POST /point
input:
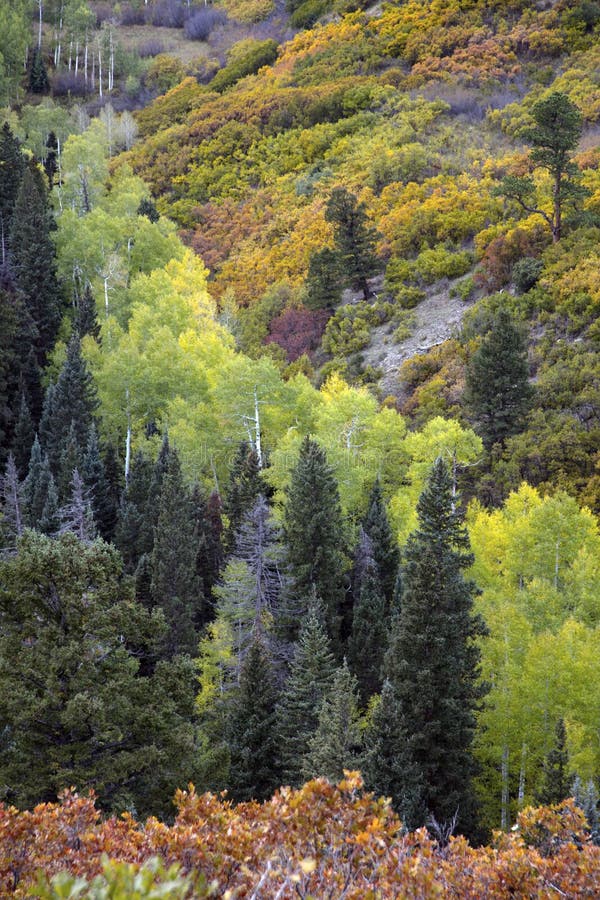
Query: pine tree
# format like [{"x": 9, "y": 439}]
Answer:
[
  {"x": 94, "y": 479},
  {"x": 11, "y": 518},
  {"x": 35, "y": 486},
  {"x": 51, "y": 160},
  {"x": 71, "y": 458},
  {"x": 12, "y": 169},
  {"x": 386, "y": 552},
  {"x": 325, "y": 280},
  {"x": 33, "y": 259},
  {"x": 251, "y": 728},
  {"x": 86, "y": 321},
  {"x": 175, "y": 586},
  {"x": 70, "y": 402},
  {"x": 309, "y": 682},
  {"x": 432, "y": 665},
  {"x": 556, "y": 783},
  {"x": 23, "y": 437},
  {"x": 354, "y": 239},
  {"x": 38, "y": 74},
  {"x": 369, "y": 621},
  {"x": 243, "y": 489},
  {"x": 336, "y": 744},
  {"x": 498, "y": 392},
  {"x": 50, "y": 520},
  {"x": 148, "y": 209},
  {"x": 586, "y": 798},
  {"x": 10, "y": 353},
  {"x": 114, "y": 489},
  {"x": 314, "y": 537},
  {"x": 133, "y": 536}
]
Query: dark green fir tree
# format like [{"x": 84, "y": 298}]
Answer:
[
  {"x": 432, "y": 666},
  {"x": 23, "y": 437},
  {"x": 498, "y": 393},
  {"x": 354, "y": 239},
  {"x": 314, "y": 537},
  {"x": 33, "y": 259},
  {"x": 11, "y": 506},
  {"x": 95, "y": 481},
  {"x": 556, "y": 779},
  {"x": 12, "y": 168},
  {"x": 370, "y": 624},
  {"x": 253, "y": 772},
  {"x": 39, "y": 82},
  {"x": 36, "y": 486},
  {"x": 386, "y": 553},
  {"x": 325, "y": 280},
  {"x": 175, "y": 586},
  {"x": 132, "y": 536},
  {"x": 86, "y": 321},
  {"x": 337, "y": 743},
  {"x": 148, "y": 209},
  {"x": 51, "y": 159},
  {"x": 309, "y": 682}
]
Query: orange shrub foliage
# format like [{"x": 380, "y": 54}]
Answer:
[{"x": 321, "y": 840}]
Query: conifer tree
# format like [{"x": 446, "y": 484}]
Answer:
[
  {"x": 94, "y": 479},
  {"x": 51, "y": 160},
  {"x": 432, "y": 665},
  {"x": 243, "y": 489},
  {"x": 71, "y": 458},
  {"x": 498, "y": 392},
  {"x": 314, "y": 537},
  {"x": 369, "y": 621},
  {"x": 354, "y": 239},
  {"x": 309, "y": 682},
  {"x": 50, "y": 520},
  {"x": 38, "y": 74},
  {"x": 386, "y": 553},
  {"x": 11, "y": 512},
  {"x": 69, "y": 404},
  {"x": 586, "y": 798},
  {"x": 86, "y": 321},
  {"x": 325, "y": 280},
  {"x": 336, "y": 744},
  {"x": 76, "y": 515},
  {"x": 23, "y": 437},
  {"x": 175, "y": 586},
  {"x": 556, "y": 783},
  {"x": 33, "y": 259},
  {"x": 12, "y": 168},
  {"x": 132, "y": 532},
  {"x": 251, "y": 728},
  {"x": 35, "y": 486}
]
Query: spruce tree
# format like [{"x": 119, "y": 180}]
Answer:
[
  {"x": 556, "y": 782},
  {"x": 69, "y": 404},
  {"x": 94, "y": 478},
  {"x": 369, "y": 621},
  {"x": 175, "y": 587},
  {"x": 432, "y": 665},
  {"x": 386, "y": 552},
  {"x": 253, "y": 773},
  {"x": 354, "y": 239},
  {"x": 314, "y": 537},
  {"x": 498, "y": 393},
  {"x": 336, "y": 744},
  {"x": 309, "y": 682},
  {"x": 51, "y": 160},
  {"x": 132, "y": 532},
  {"x": 71, "y": 458},
  {"x": 76, "y": 514},
  {"x": 12, "y": 168},
  {"x": 114, "y": 489},
  {"x": 50, "y": 520},
  {"x": 586, "y": 798},
  {"x": 35, "y": 486},
  {"x": 325, "y": 280},
  {"x": 242, "y": 491},
  {"x": 33, "y": 259},
  {"x": 23, "y": 437},
  {"x": 86, "y": 320},
  {"x": 11, "y": 506},
  {"x": 38, "y": 74}
]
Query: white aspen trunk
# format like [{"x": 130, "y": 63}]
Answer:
[
  {"x": 257, "y": 429},
  {"x": 85, "y": 61},
  {"x": 556, "y": 563},
  {"x": 105, "y": 279},
  {"x": 521, "y": 796},
  {"x": 93, "y": 70},
  {"x": 111, "y": 68},
  {"x": 40, "y": 9},
  {"x": 76, "y": 57},
  {"x": 128, "y": 438},
  {"x": 70, "y": 54},
  {"x": 505, "y": 796},
  {"x": 59, "y": 166},
  {"x": 100, "y": 72}
]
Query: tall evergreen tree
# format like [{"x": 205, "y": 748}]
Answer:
[
  {"x": 39, "y": 82},
  {"x": 251, "y": 728},
  {"x": 314, "y": 537},
  {"x": 175, "y": 586},
  {"x": 354, "y": 239},
  {"x": 369, "y": 621},
  {"x": 336, "y": 744},
  {"x": 132, "y": 536},
  {"x": 51, "y": 159},
  {"x": 309, "y": 682},
  {"x": 386, "y": 553},
  {"x": 70, "y": 402},
  {"x": 12, "y": 168},
  {"x": 11, "y": 505},
  {"x": 94, "y": 479},
  {"x": 76, "y": 514},
  {"x": 33, "y": 259},
  {"x": 556, "y": 782},
  {"x": 432, "y": 665},
  {"x": 586, "y": 798},
  {"x": 325, "y": 280},
  {"x": 243, "y": 489},
  {"x": 498, "y": 393},
  {"x": 71, "y": 458},
  {"x": 86, "y": 321},
  {"x": 23, "y": 437},
  {"x": 35, "y": 486}
]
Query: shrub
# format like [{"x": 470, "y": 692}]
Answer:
[
  {"x": 164, "y": 73},
  {"x": 153, "y": 47},
  {"x": 168, "y": 14},
  {"x": 69, "y": 84},
  {"x": 256, "y": 55},
  {"x": 348, "y": 330},
  {"x": 438, "y": 262},
  {"x": 202, "y": 22},
  {"x": 307, "y": 14},
  {"x": 526, "y": 273},
  {"x": 298, "y": 331},
  {"x": 249, "y": 11},
  {"x": 132, "y": 15}
]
